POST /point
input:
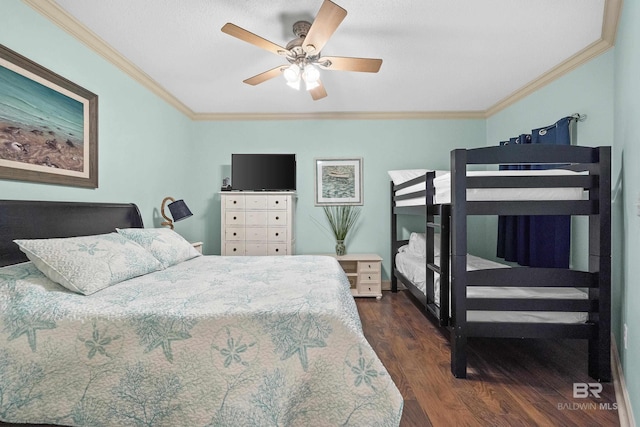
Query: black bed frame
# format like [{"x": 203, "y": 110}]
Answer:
[
  {"x": 453, "y": 228},
  {"x": 26, "y": 219}
]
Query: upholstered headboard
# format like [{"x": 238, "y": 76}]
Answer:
[{"x": 22, "y": 219}]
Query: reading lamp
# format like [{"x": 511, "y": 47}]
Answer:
[{"x": 178, "y": 209}]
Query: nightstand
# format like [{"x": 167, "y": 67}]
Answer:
[
  {"x": 364, "y": 273},
  {"x": 198, "y": 246}
]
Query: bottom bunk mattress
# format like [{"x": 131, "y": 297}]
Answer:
[
  {"x": 413, "y": 267},
  {"x": 240, "y": 341}
]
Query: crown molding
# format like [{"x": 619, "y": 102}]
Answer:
[
  {"x": 51, "y": 10},
  {"x": 345, "y": 115}
]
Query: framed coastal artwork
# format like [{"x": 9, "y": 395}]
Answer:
[
  {"x": 338, "y": 182},
  {"x": 48, "y": 125}
]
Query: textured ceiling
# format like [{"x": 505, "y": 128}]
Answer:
[{"x": 439, "y": 56}]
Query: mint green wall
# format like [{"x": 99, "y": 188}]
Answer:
[
  {"x": 626, "y": 149},
  {"x": 384, "y": 145},
  {"x": 140, "y": 137}
]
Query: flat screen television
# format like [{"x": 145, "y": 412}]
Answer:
[{"x": 263, "y": 172}]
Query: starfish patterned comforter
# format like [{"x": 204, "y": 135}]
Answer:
[{"x": 220, "y": 341}]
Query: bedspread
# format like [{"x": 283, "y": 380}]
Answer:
[{"x": 253, "y": 341}]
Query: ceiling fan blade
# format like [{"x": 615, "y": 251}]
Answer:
[
  {"x": 325, "y": 24},
  {"x": 318, "y": 92},
  {"x": 249, "y": 37},
  {"x": 366, "y": 65},
  {"x": 267, "y": 75}
]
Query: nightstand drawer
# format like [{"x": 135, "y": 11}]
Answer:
[
  {"x": 368, "y": 289},
  {"x": 369, "y": 266},
  {"x": 369, "y": 277}
]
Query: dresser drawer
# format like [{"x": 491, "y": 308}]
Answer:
[
  {"x": 234, "y": 248},
  {"x": 234, "y": 233},
  {"x": 234, "y": 202},
  {"x": 257, "y": 218},
  {"x": 256, "y": 233},
  {"x": 276, "y": 218},
  {"x": 277, "y": 249},
  {"x": 256, "y": 249},
  {"x": 234, "y": 218},
  {"x": 276, "y": 234},
  {"x": 255, "y": 202},
  {"x": 277, "y": 202}
]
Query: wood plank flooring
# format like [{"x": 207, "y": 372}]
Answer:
[{"x": 510, "y": 382}]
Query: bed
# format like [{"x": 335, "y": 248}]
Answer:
[
  {"x": 206, "y": 340},
  {"x": 479, "y": 298}
]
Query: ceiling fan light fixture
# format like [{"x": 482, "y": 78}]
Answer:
[
  {"x": 292, "y": 73},
  {"x": 310, "y": 74}
]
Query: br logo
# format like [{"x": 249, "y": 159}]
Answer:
[{"x": 583, "y": 390}]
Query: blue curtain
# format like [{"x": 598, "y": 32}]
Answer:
[
  {"x": 541, "y": 240},
  {"x": 513, "y": 231}
]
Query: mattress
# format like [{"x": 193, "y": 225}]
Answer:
[
  {"x": 413, "y": 268},
  {"x": 210, "y": 341},
  {"x": 442, "y": 184}
]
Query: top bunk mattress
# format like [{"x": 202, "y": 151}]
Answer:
[{"x": 442, "y": 184}]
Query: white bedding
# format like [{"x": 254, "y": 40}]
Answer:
[
  {"x": 442, "y": 184},
  {"x": 210, "y": 341},
  {"x": 413, "y": 267}
]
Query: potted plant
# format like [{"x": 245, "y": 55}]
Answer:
[{"x": 341, "y": 219}]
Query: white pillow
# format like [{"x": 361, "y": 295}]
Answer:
[
  {"x": 88, "y": 264},
  {"x": 400, "y": 176},
  {"x": 166, "y": 245},
  {"x": 418, "y": 244}
]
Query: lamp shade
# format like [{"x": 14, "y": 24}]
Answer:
[{"x": 179, "y": 210}]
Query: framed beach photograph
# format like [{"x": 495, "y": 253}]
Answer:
[
  {"x": 338, "y": 182},
  {"x": 48, "y": 125}
]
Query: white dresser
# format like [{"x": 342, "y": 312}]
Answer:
[{"x": 257, "y": 223}]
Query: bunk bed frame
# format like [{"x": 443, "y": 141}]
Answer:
[{"x": 453, "y": 228}]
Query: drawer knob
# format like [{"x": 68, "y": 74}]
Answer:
[
  {"x": 277, "y": 249},
  {"x": 277, "y": 218},
  {"x": 234, "y": 202},
  {"x": 235, "y": 217},
  {"x": 277, "y": 234},
  {"x": 277, "y": 202},
  {"x": 234, "y": 249},
  {"x": 235, "y": 234}
]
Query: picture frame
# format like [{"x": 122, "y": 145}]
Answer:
[
  {"x": 338, "y": 181},
  {"x": 48, "y": 125}
]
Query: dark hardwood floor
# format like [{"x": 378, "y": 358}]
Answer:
[{"x": 510, "y": 382}]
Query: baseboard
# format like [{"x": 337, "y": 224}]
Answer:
[{"x": 625, "y": 410}]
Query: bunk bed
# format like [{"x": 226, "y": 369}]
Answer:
[{"x": 473, "y": 301}]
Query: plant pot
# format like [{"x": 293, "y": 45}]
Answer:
[{"x": 340, "y": 248}]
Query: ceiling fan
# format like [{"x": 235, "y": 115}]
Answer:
[{"x": 304, "y": 52}]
